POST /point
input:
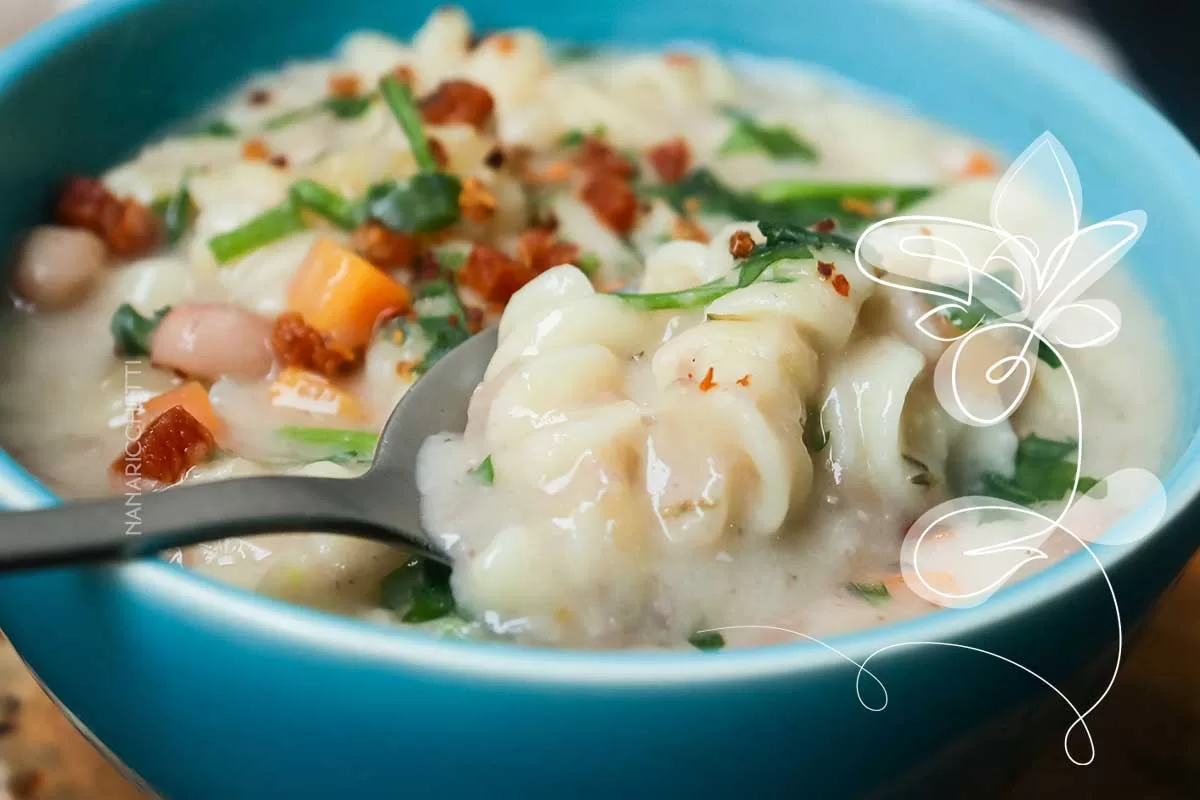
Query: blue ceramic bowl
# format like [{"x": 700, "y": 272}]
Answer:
[{"x": 210, "y": 692}]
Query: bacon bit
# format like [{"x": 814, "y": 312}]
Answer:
[
  {"x": 505, "y": 43},
  {"x": 686, "y": 229},
  {"x": 344, "y": 84},
  {"x": 255, "y": 150},
  {"x": 405, "y": 74},
  {"x": 671, "y": 159},
  {"x": 825, "y": 269},
  {"x": 612, "y": 200},
  {"x": 477, "y": 203},
  {"x": 856, "y": 205},
  {"x": 438, "y": 151},
  {"x": 171, "y": 444},
  {"x": 127, "y": 227},
  {"x": 495, "y": 158},
  {"x": 493, "y": 275},
  {"x": 279, "y": 160},
  {"x": 474, "y": 319},
  {"x": 298, "y": 344},
  {"x": 741, "y": 244},
  {"x": 744, "y": 380},
  {"x": 841, "y": 285},
  {"x": 978, "y": 165},
  {"x": 384, "y": 247},
  {"x": 708, "y": 384},
  {"x": 679, "y": 59},
  {"x": 258, "y": 97},
  {"x": 538, "y": 250},
  {"x": 596, "y": 157},
  {"x": 458, "y": 101},
  {"x": 826, "y": 225},
  {"x": 556, "y": 172}
]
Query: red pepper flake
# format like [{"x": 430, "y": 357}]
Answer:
[
  {"x": 679, "y": 59},
  {"x": 841, "y": 285},
  {"x": 825, "y": 269},
  {"x": 171, "y": 444},
  {"x": 258, "y": 97},
  {"x": 741, "y": 244},
  {"x": 279, "y": 160},
  {"x": 670, "y": 159},
  {"x": 708, "y": 383},
  {"x": 127, "y": 227},
  {"x": 612, "y": 201},
  {"x": 458, "y": 101},
  {"x": 298, "y": 344},
  {"x": 255, "y": 150},
  {"x": 826, "y": 225},
  {"x": 344, "y": 84},
  {"x": 744, "y": 380}
]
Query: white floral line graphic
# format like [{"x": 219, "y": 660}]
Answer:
[{"x": 1004, "y": 301}]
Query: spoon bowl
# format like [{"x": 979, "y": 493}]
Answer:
[{"x": 382, "y": 504}]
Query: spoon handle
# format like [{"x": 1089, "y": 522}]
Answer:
[{"x": 139, "y": 524}]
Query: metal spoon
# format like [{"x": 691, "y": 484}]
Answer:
[{"x": 382, "y": 504}]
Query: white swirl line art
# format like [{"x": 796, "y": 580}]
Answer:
[{"x": 1011, "y": 292}]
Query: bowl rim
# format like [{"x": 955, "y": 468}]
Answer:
[{"x": 194, "y": 596}]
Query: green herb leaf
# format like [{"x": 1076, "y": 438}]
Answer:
[
  {"x": 815, "y": 436},
  {"x": 216, "y": 128},
  {"x": 400, "y": 100},
  {"x": 444, "y": 331},
  {"x": 176, "y": 211},
  {"x": 1044, "y": 471},
  {"x": 291, "y": 117},
  {"x": 777, "y": 141},
  {"x": 419, "y": 589},
  {"x": 268, "y": 227},
  {"x": 572, "y": 138},
  {"x": 425, "y": 203},
  {"x": 747, "y": 273},
  {"x": 348, "y": 107},
  {"x": 707, "y": 640},
  {"x": 132, "y": 332},
  {"x": 325, "y": 202},
  {"x": 874, "y": 593},
  {"x": 451, "y": 260},
  {"x": 333, "y": 443},
  {"x": 485, "y": 471},
  {"x": 975, "y": 312},
  {"x": 792, "y": 204},
  {"x": 589, "y": 264},
  {"x": 568, "y": 53}
]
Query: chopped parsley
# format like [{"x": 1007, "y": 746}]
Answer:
[
  {"x": 707, "y": 640},
  {"x": 1044, "y": 471},
  {"x": 750, "y": 136},
  {"x": 132, "y": 332},
  {"x": 874, "y": 593},
  {"x": 485, "y": 471},
  {"x": 446, "y": 328}
]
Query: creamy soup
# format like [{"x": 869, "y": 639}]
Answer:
[{"x": 704, "y": 416}]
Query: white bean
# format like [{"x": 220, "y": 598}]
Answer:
[
  {"x": 58, "y": 266},
  {"x": 210, "y": 341}
]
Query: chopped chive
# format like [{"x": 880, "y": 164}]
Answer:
[
  {"x": 325, "y": 202},
  {"x": 873, "y": 593},
  {"x": 132, "y": 332},
  {"x": 348, "y": 107},
  {"x": 589, "y": 264},
  {"x": 175, "y": 211},
  {"x": 425, "y": 203},
  {"x": 333, "y": 443},
  {"x": 485, "y": 471},
  {"x": 777, "y": 141},
  {"x": 216, "y": 128},
  {"x": 400, "y": 100},
  {"x": 268, "y": 227},
  {"x": 290, "y": 117},
  {"x": 419, "y": 589},
  {"x": 707, "y": 640}
]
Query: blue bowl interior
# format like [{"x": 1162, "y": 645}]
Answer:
[{"x": 84, "y": 92}]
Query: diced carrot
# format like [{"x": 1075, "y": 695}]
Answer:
[
  {"x": 193, "y": 397},
  {"x": 307, "y": 391},
  {"x": 979, "y": 165},
  {"x": 343, "y": 294}
]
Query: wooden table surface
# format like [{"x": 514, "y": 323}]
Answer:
[{"x": 1147, "y": 732}]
